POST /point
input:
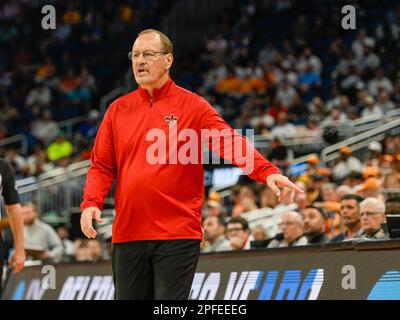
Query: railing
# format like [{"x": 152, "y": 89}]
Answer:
[
  {"x": 17, "y": 139},
  {"x": 390, "y": 192},
  {"x": 68, "y": 124},
  {"x": 22, "y": 141},
  {"x": 268, "y": 218},
  {"x": 359, "y": 143},
  {"x": 368, "y": 123},
  {"x": 117, "y": 92},
  {"x": 27, "y": 189},
  {"x": 304, "y": 142}
]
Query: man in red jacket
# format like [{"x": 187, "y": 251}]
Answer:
[{"x": 157, "y": 227}]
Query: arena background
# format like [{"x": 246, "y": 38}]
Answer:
[{"x": 314, "y": 92}]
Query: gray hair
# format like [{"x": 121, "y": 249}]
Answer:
[
  {"x": 378, "y": 204},
  {"x": 294, "y": 215}
]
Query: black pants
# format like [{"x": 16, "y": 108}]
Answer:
[{"x": 159, "y": 269}]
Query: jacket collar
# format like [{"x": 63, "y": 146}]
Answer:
[{"x": 158, "y": 93}]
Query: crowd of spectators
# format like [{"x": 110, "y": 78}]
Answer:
[
  {"x": 47, "y": 76},
  {"x": 341, "y": 203},
  {"x": 45, "y": 243},
  {"x": 281, "y": 69},
  {"x": 278, "y": 67}
]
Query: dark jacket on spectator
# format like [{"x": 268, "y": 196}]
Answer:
[{"x": 319, "y": 239}]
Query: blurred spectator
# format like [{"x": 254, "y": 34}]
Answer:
[
  {"x": 391, "y": 181},
  {"x": 40, "y": 236},
  {"x": 214, "y": 234},
  {"x": 372, "y": 213},
  {"x": 292, "y": 229},
  {"x": 283, "y": 129},
  {"x": 307, "y": 59},
  {"x": 375, "y": 149},
  {"x": 259, "y": 233},
  {"x": 380, "y": 81},
  {"x": 360, "y": 42},
  {"x": 315, "y": 225},
  {"x": 350, "y": 216},
  {"x": 217, "y": 45},
  {"x": 238, "y": 233},
  {"x": 336, "y": 114},
  {"x": 43, "y": 73},
  {"x": 37, "y": 162},
  {"x": 268, "y": 198},
  {"x": 370, "y": 188},
  {"x": 68, "y": 245},
  {"x": 309, "y": 80},
  {"x": 384, "y": 103},
  {"x": 286, "y": 93},
  {"x": 392, "y": 205},
  {"x": 246, "y": 201},
  {"x": 15, "y": 160},
  {"x": 301, "y": 200},
  {"x": 60, "y": 148},
  {"x": 45, "y": 129},
  {"x": 354, "y": 179},
  {"x": 82, "y": 253},
  {"x": 95, "y": 250},
  {"x": 342, "y": 190},
  {"x": 369, "y": 61},
  {"x": 345, "y": 164},
  {"x": 388, "y": 32},
  {"x": 314, "y": 187},
  {"x": 371, "y": 109},
  {"x": 213, "y": 208},
  {"x": 39, "y": 95},
  {"x": 331, "y": 206},
  {"x": 279, "y": 155}
]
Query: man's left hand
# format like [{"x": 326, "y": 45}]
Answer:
[{"x": 277, "y": 181}]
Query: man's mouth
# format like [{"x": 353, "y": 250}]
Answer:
[{"x": 142, "y": 71}]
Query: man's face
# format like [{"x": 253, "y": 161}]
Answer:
[
  {"x": 212, "y": 211},
  {"x": 291, "y": 228},
  {"x": 371, "y": 219},
  {"x": 268, "y": 198},
  {"x": 301, "y": 200},
  {"x": 314, "y": 223},
  {"x": 148, "y": 63},
  {"x": 350, "y": 212},
  {"x": 95, "y": 249},
  {"x": 212, "y": 229},
  {"x": 329, "y": 194},
  {"x": 259, "y": 234},
  {"x": 236, "y": 230},
  {"x": 29, "y": 214}
]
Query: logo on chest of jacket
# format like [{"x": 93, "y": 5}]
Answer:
[{"x": 171, "y": 120}]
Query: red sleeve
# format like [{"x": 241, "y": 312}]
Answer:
[
  {"x": 232, "y": 145},
  {"x": 103, "y": 169}
]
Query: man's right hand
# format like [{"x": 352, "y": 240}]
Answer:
[{"x": 87, "y": 216}]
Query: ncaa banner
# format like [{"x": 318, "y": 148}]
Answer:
[{"x": 354, "y": 270}]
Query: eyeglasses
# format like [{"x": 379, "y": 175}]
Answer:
[
  {"x": 286, "y": 224},
  {"x": 368, "y": 213},
  {"x": 234, "y": 230},
  {"x": 147, "y": 55}
]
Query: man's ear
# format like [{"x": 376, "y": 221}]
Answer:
[{"x": 169, "y": 59}]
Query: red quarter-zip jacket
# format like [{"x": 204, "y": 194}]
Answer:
[{"x": 154, "y": 201}]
